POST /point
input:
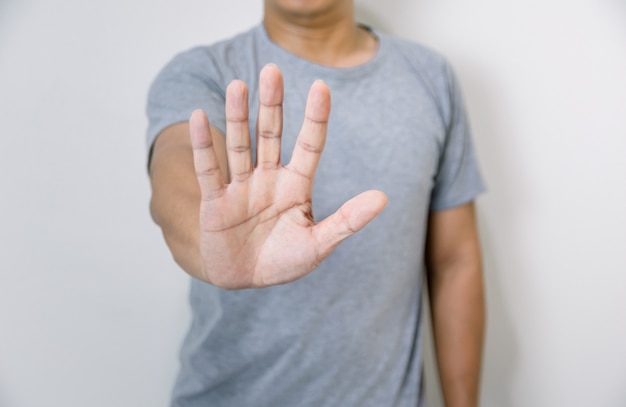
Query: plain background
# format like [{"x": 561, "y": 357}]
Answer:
[{"x": 93, "y": 309}]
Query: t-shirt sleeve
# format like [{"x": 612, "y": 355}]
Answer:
[
  {"x": 458, "y": 180},
  {"x": 188, "y": 82}
]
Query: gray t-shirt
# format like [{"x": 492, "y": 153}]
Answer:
[{"x": 348, "y": 334}]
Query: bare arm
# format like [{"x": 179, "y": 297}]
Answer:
[
  {"x": 457, "y": 302},
  {"x": 256, "y": 230},
  {"x": 175, "y": 203}
]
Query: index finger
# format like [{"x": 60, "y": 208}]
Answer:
[{"x": 310, "y": 144}]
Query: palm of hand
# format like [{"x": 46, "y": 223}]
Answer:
[{"x": 259, "y": 230}]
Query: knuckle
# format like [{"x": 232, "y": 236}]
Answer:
[
  {"x": 269, "y": 134},
  {"x": 241, "y": 176},
  {"x": 268, "y": 165},
  {"x": 207, "y": 172},
  {"x": 311, "y": 148},
  {"x": 346, "y": 222},
  {"x": 239, "y": 148}
]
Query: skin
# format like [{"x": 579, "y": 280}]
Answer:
[
  {"x": 321, "y": 31},
  {"x": 237, "y": 226},
  {"x": 455, "y": 284}
]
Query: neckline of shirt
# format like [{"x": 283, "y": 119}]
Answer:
[{"x": 324, "y": 70}]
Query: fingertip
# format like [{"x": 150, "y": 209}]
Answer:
[
  {"x": 270, "y": 69},
  {"x": 197, "y": 116},
  {"x": 199, "y": 130},
  {"x": 237, "y": 100},
  {"x": 363, "y": 208},
  {"x": 319, "y": 86},
  {"x": 197, "y": 121},
  {"x": 271, "y": 85},
  {"x": 353, "y": 216},
  {"x": 377, "y": 200},
  {"x": 318, "y": 105},
  {"x": 382, "y": 197},
  {"x": 236, "y": 87}
]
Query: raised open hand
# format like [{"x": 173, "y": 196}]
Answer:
[{"x": 259, "y": 230}]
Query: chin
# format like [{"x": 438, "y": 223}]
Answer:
[{"x": 306, "y": 8}]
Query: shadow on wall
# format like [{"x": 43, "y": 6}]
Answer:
[
  {"x": 501, "y": 355},
  {"x": 501, "y": 347},
  {"x": 498, "y": 217}
]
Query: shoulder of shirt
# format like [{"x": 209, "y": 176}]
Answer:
[
  {"x": 426, "y": 65},
  {"x": 416, "y": 54}
]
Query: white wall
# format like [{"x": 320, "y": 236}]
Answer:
[{"x": 92, "y": 308}]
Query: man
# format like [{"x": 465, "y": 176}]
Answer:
[{"x": 283, "y": 315}]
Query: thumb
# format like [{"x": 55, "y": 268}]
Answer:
[{"x": 349, "y": 219}]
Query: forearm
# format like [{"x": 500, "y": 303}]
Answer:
[
  {"x": 175, "y": 206},
  {"x": 458, "y": 315},
  {"x": 455, "y": 283},
  {"x": 175, "y": 203}
]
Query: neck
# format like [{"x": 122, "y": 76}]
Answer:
[{"x": 329, "y": 37}]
